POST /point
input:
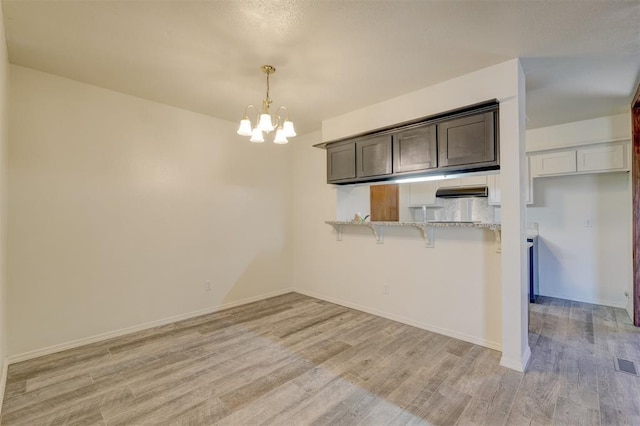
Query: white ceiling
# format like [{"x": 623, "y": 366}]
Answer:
[{"x": 581, "y": 58}]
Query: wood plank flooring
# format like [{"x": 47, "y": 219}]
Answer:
[{"x": 295, "y": 360}]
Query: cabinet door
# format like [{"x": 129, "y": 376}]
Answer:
[
  {"x": 463, "y": 181},
  {"x": 415, "y": 150},
  {"x": 601, "y": 158},
  {"x": 529, "y": 192},
  {"x": 554, "y": 163},
  {"x": 421, "y": 193},
  {"x": 495, "y": 196},
  {"x": 373, "y": 156},
  {"x": 467, "y": 140},
  {"x": 495, "y": 190},
  {"x": 341, "y": 162},
  {"x": 474, "y": 181}
]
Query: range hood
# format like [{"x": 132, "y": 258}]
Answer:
[{"x": 463, "y": 192}]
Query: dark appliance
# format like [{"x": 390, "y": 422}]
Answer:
[
  {"x": 463, "y": 192},
  {"x": 533, "y": 269}
]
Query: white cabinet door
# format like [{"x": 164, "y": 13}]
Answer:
[
  {"x": 450, "y": 183},
  {"x": 554, "y": 163},
  {"x": 495, "y": 196},
  {"x": 601, "y": 158},
  {"x": 422, "y": 193},
  {"x": 464, "y": 181},
  {"x": 529, "y": 191},
  {"x": 495, "y": 190},
  {"x": 474, "y": 181}
]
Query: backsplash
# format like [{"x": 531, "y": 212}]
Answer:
[
  {"x": 352, "y": 199},
  {"x": 458, "y": 209}
]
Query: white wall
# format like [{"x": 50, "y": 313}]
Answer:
[
  {"x": 121, "y": 208},
  {"x": 472, "y": 305},
  {"x": 3, "y": 203},
  {"x": 601, "y": 129},
  {"x": 587, "y": 264}
]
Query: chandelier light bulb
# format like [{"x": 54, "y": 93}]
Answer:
[
  {"x": 289, "y": 131},
  {"x": 245, "y": 127},
  {"x": 266, "y": 125},
  {"x": 256, "y": 136},
  {"x": 280, "y": 138}
]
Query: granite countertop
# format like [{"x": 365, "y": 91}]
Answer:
[
  {"x": 430, "y": 224},
  {"x": 531, "y": 233}
]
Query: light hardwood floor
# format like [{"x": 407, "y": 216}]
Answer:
[{"x": 295, "y": 360}]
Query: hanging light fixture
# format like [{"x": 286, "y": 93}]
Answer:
[{"x": 265, "y": 122}]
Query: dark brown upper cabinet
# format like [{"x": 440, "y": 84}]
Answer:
[
  {"x": 467, "y": 140},
  {"x": 373, "y": 156},
  {"x": 415, "y": 149},
  {"x": 458, "y": 141},
  {"x": 341, "y": 162}
]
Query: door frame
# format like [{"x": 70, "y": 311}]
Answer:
[{"x": 635, "y": 190}]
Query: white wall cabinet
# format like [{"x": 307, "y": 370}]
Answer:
[
  {"x": 461, "y": 182},
  {"x": 421, "y": 193},
  {"x": 495, "y": 191},
  {"x": 601, "y": 158},
  {"x": 555, "y": 163},
  {"x": 597, "y": 158}
]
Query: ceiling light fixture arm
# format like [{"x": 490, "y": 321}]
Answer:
[
  {"x": 279, "y": 117},
  {"x": 246, "y": 111}
]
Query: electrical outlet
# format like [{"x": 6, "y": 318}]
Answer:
[
  {"x": 588, "y": 223},
  {"x": 207, "y": 286},
  {"x": 626, "y": 294},
  {"x": 386, "y": 289}
]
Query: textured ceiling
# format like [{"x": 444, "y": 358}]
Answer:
[{"x": 581, "y": 58}]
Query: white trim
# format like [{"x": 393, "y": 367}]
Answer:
[
  {"x": 451, "y": 333},
  {"x": 3, "y": 381},
  {"x": 578, "y": 145},
  {"x": 517, "y": 364},
  {"x": 117, "y": 333},
  {"x": 600, "y": 302}
]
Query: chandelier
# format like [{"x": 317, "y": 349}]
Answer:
[{"x": 265, "y": 122}]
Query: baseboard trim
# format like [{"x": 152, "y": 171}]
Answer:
[
  {"x": 121, "y": 332},
  {"x": 3, "y": 381},
  {"x": 451, "y": 333},
  {"x": 586, "y": 300},
  {"x": 517, "y": 364}
]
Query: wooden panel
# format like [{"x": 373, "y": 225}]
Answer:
[
  {"x": 384, "y": 203},
  {"x": 467, "y": 140},
  {"x": 341, "y": 162},
  {"x": 415, "y": 150},
  {"x": 373, "y": 156}
]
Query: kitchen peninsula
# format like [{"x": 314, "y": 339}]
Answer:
[{"x": 426, "y": 228}]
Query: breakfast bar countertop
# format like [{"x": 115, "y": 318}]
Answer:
[{"x": 433, "y": 224}]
